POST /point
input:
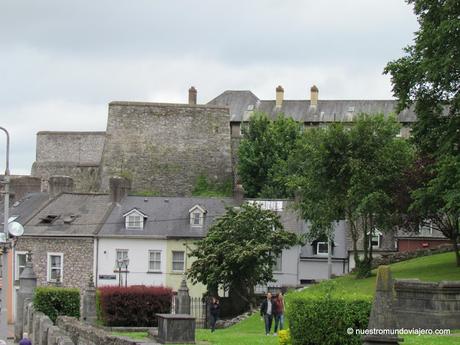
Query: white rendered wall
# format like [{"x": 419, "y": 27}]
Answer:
[{"x": 138, "y": 254}]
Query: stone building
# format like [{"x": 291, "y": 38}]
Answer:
[{"x": 163, "y": 148}]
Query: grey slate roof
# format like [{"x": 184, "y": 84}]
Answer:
[
  {"x": 242, "y": 103},
  {"x": 89, "y": 211},
  {"x": 25, "y": 207},
  {"x": 168, "y": 217}
]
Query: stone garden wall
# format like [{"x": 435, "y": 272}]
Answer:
[
  {"x": 67, "y": 331},
  {"x": 427, "y": 304}
]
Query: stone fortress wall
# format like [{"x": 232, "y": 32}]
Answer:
[
  {"x": 75, "y": 154},
  {"x": 164, "y": 148}
]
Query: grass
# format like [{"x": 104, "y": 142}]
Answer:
[
  {"x": 132, "y": 335},
  {"x": 427, "y": 268},
  {"x": 251, "y": 331}
]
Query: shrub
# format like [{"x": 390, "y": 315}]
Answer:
[
  {"x": 55, "y": 301},
  {"x": 133, "y": 306},
  {"x": 323, "y": 318},
  {"x": 204, "y": 187},
  {"x": 284, "y": 337}
]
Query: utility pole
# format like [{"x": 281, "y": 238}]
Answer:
[{"x": 5, "y": 245}]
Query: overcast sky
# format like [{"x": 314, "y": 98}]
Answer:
[{"x": 61, "y": 62}]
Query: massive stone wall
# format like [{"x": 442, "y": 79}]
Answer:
[
  {"x": 74, "y": 154},
  {"x": 164, "y": 148},
  {"x": 77, "y": 259}
]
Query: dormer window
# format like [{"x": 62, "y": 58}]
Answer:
[
  {"x": 134, "y": 220},
  {"x": 197, "y": 216},
  {"x": 375, "y": 238}
]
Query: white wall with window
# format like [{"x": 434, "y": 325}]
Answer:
[
  {"x": 147, "y": 261},
  {"x": 55, "y": 264}
]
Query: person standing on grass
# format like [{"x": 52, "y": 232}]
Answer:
[
  {"x": 278, "y": 314},
  {"x": 266, "y": 311},
  {"x": 214, "y": 311}
]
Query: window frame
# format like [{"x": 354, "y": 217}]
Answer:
[
  {"x": 429, "y": 224},
  {"x": 278, "y": 267},
  {"x": 16, "y": 266},
  {"x": 116, "y": 258},
  {"x": 317, "y": 248},
  {"x": 49, "y": 268},
  {"x": 197, "y": 210},
  {"x": 183, "y": 261},
  {"x": 154, "y": 251},
  {"x": 375, "y": 233}
]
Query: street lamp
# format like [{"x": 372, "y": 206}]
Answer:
[
  {"x": 6, "y": 182},
  {"x": 122, "y": 264}
]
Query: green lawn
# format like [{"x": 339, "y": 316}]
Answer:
[
  {"x": 428, "y": 268},
  {"x": 251, "y": 331}
]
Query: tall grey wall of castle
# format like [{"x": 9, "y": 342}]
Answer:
[
  {"x": 164, "y": 148},
  {"x": 74, "y": 154}
]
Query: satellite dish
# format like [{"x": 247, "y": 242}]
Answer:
[{"x": 15, "y": 229}]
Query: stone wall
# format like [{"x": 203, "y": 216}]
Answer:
[
  {"x": 74, "y": 154},
  {"x": 391, "y": 258},
  {"x": 67, "y": 331},
  {"x": 427, "y": 305},
  {"x": 164, "y": 148},
  {"x": 77, "y": 260}
]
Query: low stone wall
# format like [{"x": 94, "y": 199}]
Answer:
[
  {"x": 67, "y": 331},
  {"x": 391, "y": 258},
  {"x": 427, "y": 305}
]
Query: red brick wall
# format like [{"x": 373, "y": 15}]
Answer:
[{"x": 410, "y": 245}]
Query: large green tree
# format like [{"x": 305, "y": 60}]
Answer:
[
  {"x": 240, "y": 251},
  {"x": 428, "y": 79},
  {"x": 350, "y": 173},
  {"x": 263, "y": 153}
]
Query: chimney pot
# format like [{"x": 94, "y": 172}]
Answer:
[
  {"x": 314, "y": 96},
  {"x": 279, "y": 96},
  {"x": 192, "y": 95},
  {"x": 60, "y": 184}
]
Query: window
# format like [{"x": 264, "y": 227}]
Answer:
[
  {"x": 20, "y": 263},
  {"x": 278, "y": 267},
  {"x": 49, "y": 219},
  {"x": 321, "y": 248},
  {"x": 121, "y": 254},
  {"x": 178, "y": 261},
  {"x": 375, "y": 238},
  {"x": 134, "y": 220},
  {"x": 55, "y": 267},
  {"x": 196, "y": 215},
  {"x": 154, "y": 261},
  {"x": 426, "y": 229}
]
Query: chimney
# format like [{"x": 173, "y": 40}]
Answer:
[
  {"x": 192, "y": 95},
  {"x": 22, "y": 185},
  {"x": 279, "y": 96},
  {"x": 59, "y": 184},
  {"x": 119, "y": 188},
  {"x": 238, "y": 194},
  {"x": 314, "y": 96}
]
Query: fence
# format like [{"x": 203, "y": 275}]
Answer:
[{"x": 198, "y": 308}]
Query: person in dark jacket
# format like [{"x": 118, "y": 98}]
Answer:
[
  {"x": 266, "y": 311},
  {"x": 214, "y": 311}
]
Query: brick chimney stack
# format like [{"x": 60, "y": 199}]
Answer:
[
  {"x": 60, "y": 184},
  {"x": 279, "y": 96},
  {"x": 119, "y": 188},
  {"x": 192, "y": 96},
  {"x": 314, "y": 96}
]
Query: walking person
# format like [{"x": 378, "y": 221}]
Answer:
[
  {"x": 278, "y": 314},
  {"x": 266, "y": 310},
  {"x": 214, "y": 311}
]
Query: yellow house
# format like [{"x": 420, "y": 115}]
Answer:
[{"x": 178, "y": 262}]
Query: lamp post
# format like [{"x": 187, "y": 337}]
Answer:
[
  {"x": 122, "y": 264},
  {"x": 5, "y": 244}
]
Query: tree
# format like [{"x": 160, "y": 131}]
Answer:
[
  {"x": 240, "y": 251},
  {"x": 428, "y": 78},
  {"x": 263, "y": 153},
  {"x": 350, "y": 173}
]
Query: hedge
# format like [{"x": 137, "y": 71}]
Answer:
[
  {"x": 133, "y": 306},
  {"x": 55, "y": 301},
  {"x": 324, "y": 318}
]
